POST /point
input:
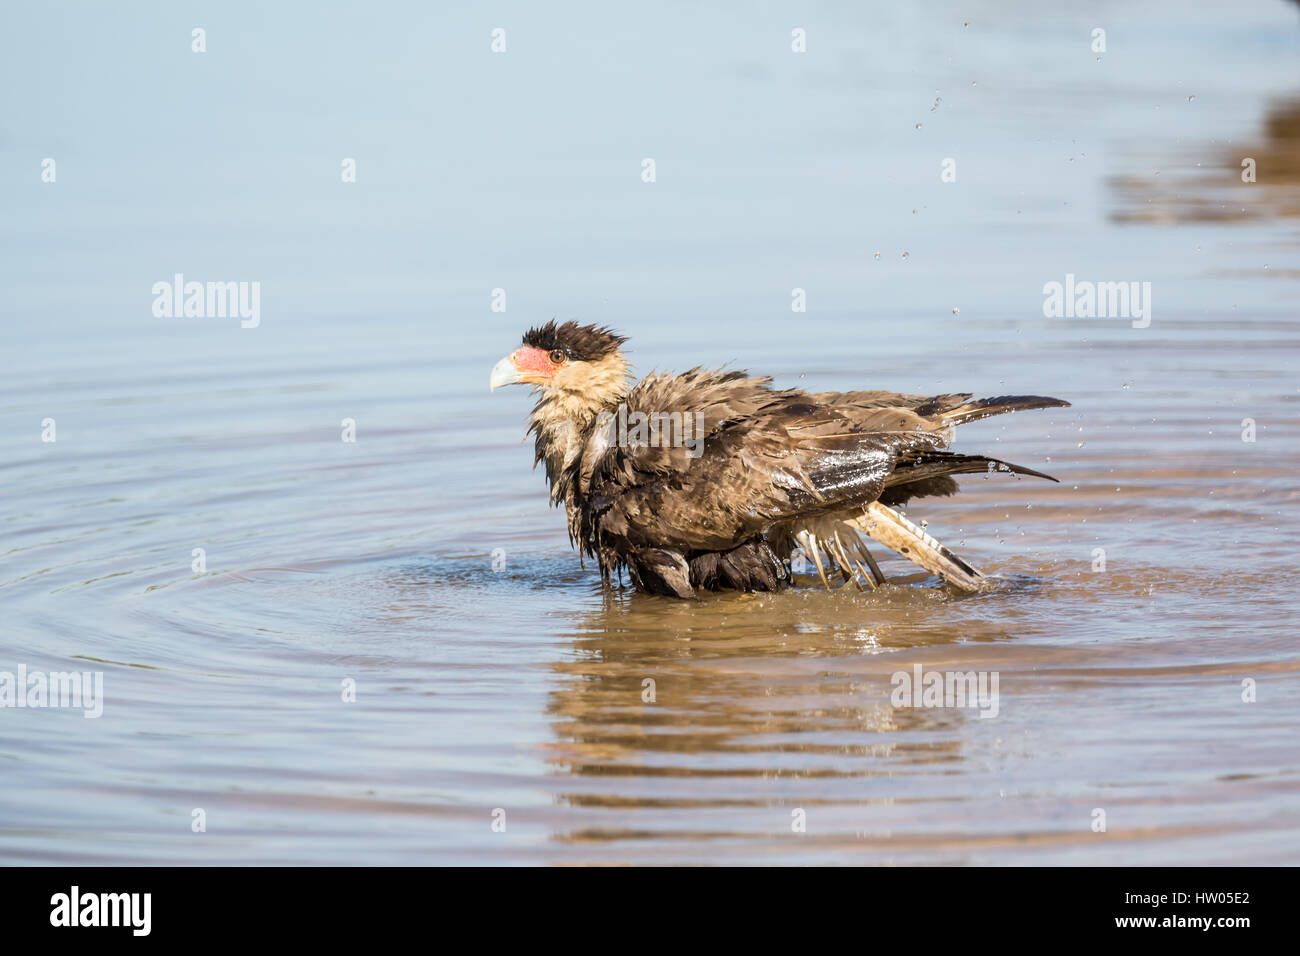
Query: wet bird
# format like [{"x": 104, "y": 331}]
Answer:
[{"x": 710, "y": 480}]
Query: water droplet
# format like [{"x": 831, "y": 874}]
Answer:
[
  {"x": 956, "y": 311},
  {"x": 876, "y": 256},
  {"x": 1191, "y": 99},
  {"x": 906, "y": 254}
]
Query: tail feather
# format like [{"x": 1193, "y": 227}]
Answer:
[
  {"x": 973, "y": 411},
  {"x": 935, "y": 464},
  {"x": 898, "y": 534}
]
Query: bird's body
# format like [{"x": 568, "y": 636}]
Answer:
[{"x": 709, "y": 479}]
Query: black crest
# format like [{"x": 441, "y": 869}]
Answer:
[{"x": 582, "y": 343}]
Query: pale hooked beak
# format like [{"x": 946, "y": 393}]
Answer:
[{"x": 504, "y": 372}]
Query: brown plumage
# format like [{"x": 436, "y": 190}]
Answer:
[{"x": 738, "y": 473}]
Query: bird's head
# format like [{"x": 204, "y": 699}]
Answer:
[{"x": 567, "y": 360}]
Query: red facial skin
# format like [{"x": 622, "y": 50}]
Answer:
[{"x": 534, "y": 365}]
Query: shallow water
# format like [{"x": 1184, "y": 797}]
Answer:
[{"x": 522, "y": 689}]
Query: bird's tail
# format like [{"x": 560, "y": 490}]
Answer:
[
  {"x": 972, "y": 410},
  {"x": 898, "y": 534},
  {"x": 936, "y": 464}
]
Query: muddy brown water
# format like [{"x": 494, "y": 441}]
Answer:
[{"x": 1143, "y": 638}]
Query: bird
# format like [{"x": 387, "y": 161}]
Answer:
[{"x": 713, "y": 480}]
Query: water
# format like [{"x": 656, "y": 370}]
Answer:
[{"x": 521, "y": 689}]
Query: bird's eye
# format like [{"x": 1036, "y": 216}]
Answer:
[{"x": 557, "y": 357}]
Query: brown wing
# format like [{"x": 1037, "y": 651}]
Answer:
[{"x": 767, "y": 456}]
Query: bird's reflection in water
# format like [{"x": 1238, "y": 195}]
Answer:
[{"x": 750, "y": 701}]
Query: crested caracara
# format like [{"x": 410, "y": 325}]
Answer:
[{"x": 709, "y": 480}]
